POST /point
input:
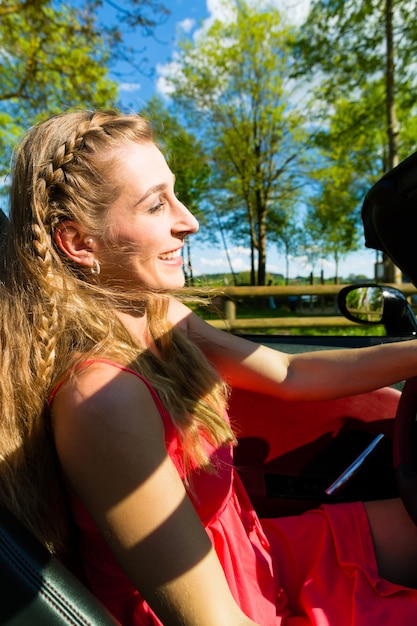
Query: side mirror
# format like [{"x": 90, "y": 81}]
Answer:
[{"x": 376, "y": 304}]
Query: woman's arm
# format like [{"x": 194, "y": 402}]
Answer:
[
  {"x": 110, "y": 441},
  {"x": 317, "y": 375}
]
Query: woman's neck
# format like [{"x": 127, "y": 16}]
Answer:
[{"x": 137, "y": 325}]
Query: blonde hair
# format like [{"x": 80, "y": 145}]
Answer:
[{"x": 53, "y": 315}]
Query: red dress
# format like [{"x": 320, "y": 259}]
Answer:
[{"x": 314, "y": 569}]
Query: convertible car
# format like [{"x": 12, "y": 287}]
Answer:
[{"x": 311, "y": 452}]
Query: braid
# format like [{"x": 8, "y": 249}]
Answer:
[
  {"x": 60, "y": 190},
  {"x": 46, "y": 322}
]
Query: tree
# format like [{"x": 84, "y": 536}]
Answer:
[
  {"x": 353, "y": 45},
  {"x": 310, "y": 245},
  {"x": 286, "y": 233},
  {"x": 233, "y": 83},
  {"x": 345, "y": 168},
  {"x": 364, "y": 52},
  {"x": 53, "y": 57},
  {"x": 48, "y": 63},
  {"x": 332, "y": 219}
]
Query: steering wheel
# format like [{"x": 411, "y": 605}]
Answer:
[{"x": 405, "y": 457}]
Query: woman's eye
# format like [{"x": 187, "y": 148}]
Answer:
[{"x": 157, "y": 207}]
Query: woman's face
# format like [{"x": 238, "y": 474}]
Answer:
[{"x": 147, "y": 223}]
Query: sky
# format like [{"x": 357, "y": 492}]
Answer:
[{"x": 188, "y": 17}]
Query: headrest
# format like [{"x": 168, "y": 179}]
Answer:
[
  {"x": 389, "y": 215},
  {"x": 4, "y": 220}
]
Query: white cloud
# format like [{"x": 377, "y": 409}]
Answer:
[
  {"x": 187, "y": 25},
  {"x": 164, "y": 70},
  {"x": 295, "y": 10},
  {"x": 239, "y": 250},
  {"x": 218, "y": 261},
  {"x": 222, "y": 10},
  {"x": 220, "y": 264},
  {"x": 129, "y": 87},
  {"x": 274, "y": 268}
]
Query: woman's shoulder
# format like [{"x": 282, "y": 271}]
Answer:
[{"x": 103, "y": 393}]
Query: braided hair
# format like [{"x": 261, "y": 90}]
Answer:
[{"x": 55, "y": 314}]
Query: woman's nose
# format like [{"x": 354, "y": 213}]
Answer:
[{"x": 186, "y": 223}]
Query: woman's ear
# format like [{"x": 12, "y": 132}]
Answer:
[{"x": 75, "y": 243}]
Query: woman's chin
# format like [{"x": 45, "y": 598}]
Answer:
[{"x": 168, "y": 284}]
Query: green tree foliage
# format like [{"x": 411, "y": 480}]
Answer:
[
  {"x": 332, "y": 216},
  {"x": 56, "y": 55},
  {"x": 365, "y": 51},
  {"x": 233, "y": 82},
  {"x": 51, "y": 59},
  {"x": 361, "y": 55},
  {"x": 345, "y": 167},
  {"x": 285, "y": 231}
]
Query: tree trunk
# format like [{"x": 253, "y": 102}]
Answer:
[
  {"x": 392, "y": 122},
  {"x": 391, "y": 273},
  {"x": 262, "y": 259},
  {"x": 226, "y": 249},
  {"x": 253, "y": 242},
  {"x": 261, "y": 214},
  {"x": 336, "y": 272},
  {"x": 287, "y": 266},
  {"x": 252, "y": 266},
  {"x": 188, "y": 269}
]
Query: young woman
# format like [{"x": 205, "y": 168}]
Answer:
[{"x": 113, "y": 407}]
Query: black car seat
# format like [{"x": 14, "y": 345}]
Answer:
[
  {"x": 36, "y": 589},
  {"x": 389, "y": 215}
]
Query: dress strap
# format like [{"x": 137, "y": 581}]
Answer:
[{"x": 123, "y": 368}]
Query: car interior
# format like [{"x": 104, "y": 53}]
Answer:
[{"x": 309, "y": 453}]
